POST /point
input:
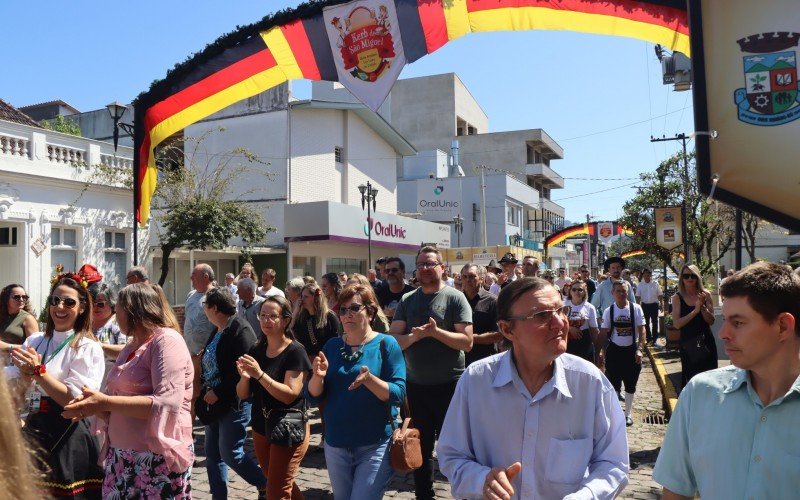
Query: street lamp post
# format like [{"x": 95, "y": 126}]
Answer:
[
  {"x": 458, "y": 222},
  {"x": 368, "y": 196},
  {"x": 116, "y": 110}
]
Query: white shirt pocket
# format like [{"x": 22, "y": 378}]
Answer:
[{"x": 568, "y": 460}]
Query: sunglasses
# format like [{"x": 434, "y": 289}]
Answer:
[
  {"x": 544, "y": 317},
  {"x": 68, "y": 302},
  {"x": 427, "y": 265},
  {"x": 353, "y": 308},
  {"x": 689, "y": 276},
  {"x": 100, "y": 304},
  {"x": 20, "y": 298}
]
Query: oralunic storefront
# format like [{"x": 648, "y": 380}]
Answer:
[{"x": 325, "y": 236}]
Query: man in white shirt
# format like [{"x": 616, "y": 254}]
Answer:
[
  {"x": 562, "y": 433},
  {"x": 649, "y": 295},
  {"x": 624, "y": 322},
  {"x": 562, "y": 279},
  {"x": 267, "y": 280}
]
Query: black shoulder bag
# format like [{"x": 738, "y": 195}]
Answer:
[{"x": 286, "y": 426}]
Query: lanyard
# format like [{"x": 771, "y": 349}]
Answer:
[{"x": 64, "y": 343}]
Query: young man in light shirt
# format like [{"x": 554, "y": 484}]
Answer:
[{"x": 649, "y": 295}]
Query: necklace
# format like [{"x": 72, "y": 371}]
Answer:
[{"x": 352, "y": 357}]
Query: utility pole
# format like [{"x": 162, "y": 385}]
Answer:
[
  {"x": 483, "y": 206},
  {"x": 683, "y": 138},
  {"x": 589, "y": 242}
]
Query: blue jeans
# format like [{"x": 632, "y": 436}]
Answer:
[
  {"x": 361, "y": 473},
  {"x": 225, "y": 448}
]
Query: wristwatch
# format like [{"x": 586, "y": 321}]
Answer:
[{"x": 40, "y": 369}]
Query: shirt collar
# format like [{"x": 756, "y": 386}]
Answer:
[
  {"x": 743, "y": 376},
  {"x": 507, "y": 374},
  {"x": 740, "y": 377}
]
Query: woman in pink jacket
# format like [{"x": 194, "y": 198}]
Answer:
[{"x": 144, "y": 417}]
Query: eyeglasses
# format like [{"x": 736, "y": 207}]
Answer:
[
  {"x": 543, "y": 317},
  {"x": 55, "y": 300},
  {"x": 271, "y": 317},
  {"x": 100, "y": 305},
  {"x": 689, "y": 276},
  {"x": 20, "y": 298},
  {"x": 390, "y": 270},
  {"x": 427, "y": 265},
  {"x": 352, "y": 308}
]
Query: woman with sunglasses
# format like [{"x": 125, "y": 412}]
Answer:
[
  {"x": 360, "y": 376},
  {"x": 314, "y": 324},
  {"x": 16, "y": 316},
  {"x": 583, "y": 328},
  {"x": 144, "y": 415},
  {"x": 273, "y": 373},
  {"x": 53, "y": 368},
  {"x": 104, "y": 325},
  {"x": 693, "y": 314}
]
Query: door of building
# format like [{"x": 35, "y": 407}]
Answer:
[{"x": 11, "y": 271}]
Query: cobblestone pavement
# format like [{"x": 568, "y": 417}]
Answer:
[{"x": 644, "y": 441}]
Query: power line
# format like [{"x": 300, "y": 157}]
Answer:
[
  {"x": 596, "y": 192},
  {"x": 624, "y": 126}
]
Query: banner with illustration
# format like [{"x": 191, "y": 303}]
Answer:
[
  {"x": 367, "y": 47},
  {"x": 669, "y": 224}
]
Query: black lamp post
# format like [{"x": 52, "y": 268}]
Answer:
[
  {"x": 368, "y": 195},
  {"x": 116, "y": 110},
  {"x": 458, "y": 221}
]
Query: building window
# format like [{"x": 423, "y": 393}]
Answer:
[
  {"x": 64, "y": 248},
  {"x": 8, "y": 236},
  {"x": 115, "y": 254},
  {"x": 512, "y": 214},
  {"x": 337, "y": 154}
]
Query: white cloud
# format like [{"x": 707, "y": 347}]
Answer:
[
  {"x": 755, "y": 59},
  {"x": 789, "y": 59}
]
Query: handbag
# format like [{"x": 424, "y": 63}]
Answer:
[
  {"x": 286, "y": 426},
  {"x": 405, "y": 449},
  {"x": 208, "y": 414}
]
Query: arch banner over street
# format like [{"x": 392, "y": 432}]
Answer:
[{"x": 362, "y": 44}]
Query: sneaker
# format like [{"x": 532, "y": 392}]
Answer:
[
  {"x": 621, "y": 396},
  {"x": 628, "y": 421}
]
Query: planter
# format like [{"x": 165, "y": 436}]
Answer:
[{"x": 673, "y": 336}]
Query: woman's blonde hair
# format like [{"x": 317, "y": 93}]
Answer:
[
  {"x": 142, "y": 307},
  {"x": 696, "y": 271},
  {"x": 18, "y": 474},
  {"x": 169, "y": 314},
  {"x": 320, "y": 306}
]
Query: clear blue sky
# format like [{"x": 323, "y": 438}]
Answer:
[{"x": 599, "y": 97}]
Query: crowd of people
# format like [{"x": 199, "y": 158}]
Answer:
[{"x": 110, "y": 389}]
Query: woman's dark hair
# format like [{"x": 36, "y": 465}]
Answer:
[
  {"x": 5, "y": 295},
  {"x": 286, "y": 313},
  {"x": 83, "y": 323},
  {"x": 96, "y": 289},
  {"x": 367, "y": 298},
  {"x": 333, "y": 280},
  {"x": 222, "y": 299},
  {"x": 516, "y": 289}
]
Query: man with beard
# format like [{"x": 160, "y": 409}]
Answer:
[
  {"x": 433, "y": 325},
  {"x": 604, "y": 296},
  {"x": 393, "y": 289},
  {"x": 484, "y": 313}
]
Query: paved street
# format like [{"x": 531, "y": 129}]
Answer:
[{"x": 644, "y": 442}]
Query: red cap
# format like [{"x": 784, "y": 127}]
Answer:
[{"x": 90, "y": 274}]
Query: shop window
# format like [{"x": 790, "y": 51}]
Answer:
[{"x": 8, "y": 236}]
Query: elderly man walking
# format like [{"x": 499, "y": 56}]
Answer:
[
  {"x": 534, "y": 422},
  {"x": 249, "y": 304},
  {"x": 196, "y": 326}
]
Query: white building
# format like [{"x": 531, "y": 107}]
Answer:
[{"x": 53, "y": 211}]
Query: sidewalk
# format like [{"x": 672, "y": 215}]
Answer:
[{"x": 644, "y": 442}]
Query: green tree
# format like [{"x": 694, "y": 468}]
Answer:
[
  {"x": 707, "y": 224},
  {"x": 195, "y": 203},
  {"x": 61, "y": 124},
  {"x": 638, "y": 262}
]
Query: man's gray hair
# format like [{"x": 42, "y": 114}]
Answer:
[
  {"x": 207, "y": 270},
  {"x": 481, "y": 270},
  {"x": 624, "y": 283},
  {"x": 296, "y": 284},
  {"x": 140, "y": 272},
  {"x": 248, "y": 283}
]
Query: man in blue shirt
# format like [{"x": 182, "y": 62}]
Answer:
[
  {"x": 604, "y": 296},
  {"x": 534, "y": 422},
  {"x": 734, "y": 433}
]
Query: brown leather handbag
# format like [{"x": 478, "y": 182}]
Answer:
[{"x": 405, "y": 450}]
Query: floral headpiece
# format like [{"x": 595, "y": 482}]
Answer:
[{"x": 86, "y": 275}]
